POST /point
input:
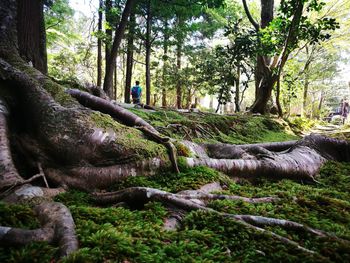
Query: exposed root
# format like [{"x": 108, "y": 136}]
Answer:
[
  {"x": 167, "y": 143},
  {"x": 8, "y": 173},
  {"x": 102, "y": 105},
  {"x": 187, "y": 201},
  {"x": 90, "y": 178},
  {"x": 57, "y": 227}
]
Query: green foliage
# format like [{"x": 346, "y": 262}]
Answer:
[
  {"x": 273, "y": 38},
  {"x": 300, "y": 124},
  {"x": 58, "y": 16}
]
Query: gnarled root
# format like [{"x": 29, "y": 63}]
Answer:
[
  {"x": 57, "y": 227},
  {"x": 196, "y": 200}
]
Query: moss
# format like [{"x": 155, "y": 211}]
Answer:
[
  {"x": 21, "y": 216},
  {"x": 182, "y": 150},
  {"x": 58, "y": 93},
  {"x": 189, "y": 178},
  {"x": 213, "y": 128},
  {"x": 119, "y": 234},
  {"x": 129, "y": 138}
]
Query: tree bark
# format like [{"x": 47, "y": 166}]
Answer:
[
  {"x": 178, "y": 65},
  {"x": 165, "y": 63},
  {"x": 237, "y": 93},
  {"x": 110, "y": 62},
  {"x": 148, "y": 52},
  {"x": 31, "y": 33},
  {"x": 99, "y": 45},
  {"x": 129, "y": 58}
]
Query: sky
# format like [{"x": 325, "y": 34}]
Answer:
[{"x": 87, "y": 7}]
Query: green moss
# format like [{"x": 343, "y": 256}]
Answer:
[
  {"x": 119, "y": 234},
  {"x": 182, "y": 150},
  {"x": 189, "y": 178},
  {"x": 129, "y": 138},
  {"x": 58, "y": 93},
  {"x": 213, "y": 128},
  {"x": 21, "y": 216}
]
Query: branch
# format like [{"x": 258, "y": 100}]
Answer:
[{"x": 251, "y": 19}]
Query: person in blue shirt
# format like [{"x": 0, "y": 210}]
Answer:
[{"x": 136, "y": 93}]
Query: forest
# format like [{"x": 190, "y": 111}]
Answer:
[{"x": 174, "y": 131}]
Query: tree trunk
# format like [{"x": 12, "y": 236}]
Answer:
[
  {"x": 110, "y": 62},
  {"x": 148, "y": 52},
  {"x": 165, "y": 63},
  {"x": 99, "y": 45},
  {"x": 306, "y": 87},
  {"x": 237, "y": 93},
  {"x": 31, "y": 33},
  {"x": 264, "y": 94},
  {"x": 129, "y": 58},
  {"x": 178, "y": 66},
  {"x": 278, "y": 103}
]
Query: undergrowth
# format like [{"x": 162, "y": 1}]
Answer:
[{"x": 117, "y": 234}]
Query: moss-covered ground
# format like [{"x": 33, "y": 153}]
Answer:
[
  {"x": 235, "y": 129},
  {"x": 117, "y": 234}
]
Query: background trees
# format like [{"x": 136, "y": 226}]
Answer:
[{"x": 162, "y": 39}]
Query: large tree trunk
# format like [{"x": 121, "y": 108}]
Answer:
[
  {"x": 110, "y": 62},
  {"x": 31, "y": 33}
]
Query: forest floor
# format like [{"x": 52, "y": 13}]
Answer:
[{"x": 123, "y": 234}]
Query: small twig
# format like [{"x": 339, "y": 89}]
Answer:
[{"x": 42, "y": 174}]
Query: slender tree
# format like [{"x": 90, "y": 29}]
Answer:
[
  {"x": 148, "y": 45},
  {"x": 129, "y": 58},
  {"x": 99, "y": 45},
  {"x": 110, "y": 62}
]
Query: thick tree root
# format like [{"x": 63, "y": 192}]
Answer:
[
  {"x": 8, "y": 173},
  {"x": 135, "y": 196},
  {"x": 57, "y": 227},
  {"x": 167, "y": 143},
  {"x": 91, "y": 178},
  {"x": 104, "y": 106},
  {"x": 127, "y": 118}
]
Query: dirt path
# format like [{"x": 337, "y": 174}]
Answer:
[{"x": 331, "y": 130}]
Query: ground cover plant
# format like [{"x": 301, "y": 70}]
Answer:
[{"x": 125, "y": 234}]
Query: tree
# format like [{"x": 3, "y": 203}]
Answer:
[
  {"x": 31, "y": 32},
  {"x": 75, "y": 147},
  {"x": 110, "y": 62},
  {"x": 99, "y": 45},
  {"x": 129, "y": 58},
  {"x": 278, "y": 37}
]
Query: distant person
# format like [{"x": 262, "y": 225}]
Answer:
[
  {"x": 344, "y": 109},
  {"x": 136, "y": 93}
]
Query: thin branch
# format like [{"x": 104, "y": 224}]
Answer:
[{"x": 251, "y": 19}]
